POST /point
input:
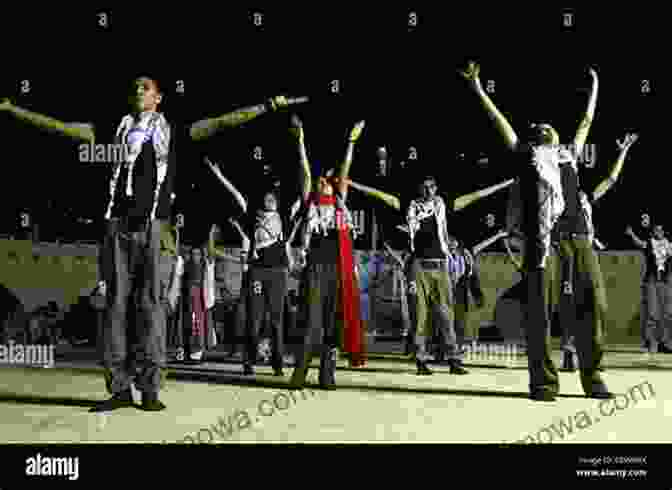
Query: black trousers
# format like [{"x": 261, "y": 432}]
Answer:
[
  {"x": 266, "y": 292},
  {"x": 320, "y": 288},
  {"x": 134, "y": 330}
]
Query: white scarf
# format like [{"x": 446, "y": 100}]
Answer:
[
  {"x": 134, "y": 135},
  {"x": 662, "y": 249},
  {"x": 420, "y": 210},
  {"x": 546, "y": 160}
]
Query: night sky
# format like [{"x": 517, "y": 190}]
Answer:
[{"x": 401, "y": 79}]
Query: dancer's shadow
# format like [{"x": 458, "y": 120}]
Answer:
[{"x": 22, "y": 398}]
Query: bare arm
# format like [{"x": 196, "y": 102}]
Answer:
[
  {"x": 207, "y": 128},
  {"x": 347, "y": 161},
  {"x": 489, "y": 241},
  {"x": 240, "y": 199},
  {"x": 471, "y": 74},
  {"x": 306, "y": 178},
  {"x": 518, "y": 264},
  {"x": 388, "y": 199},
  {"x": 464, "y": 201},
  {"x": 587, "y": 121},
  {"x": 76, "y": 131},
  {"x": 609, "y": 182},
  {"x": 243, "y": 235},
  {"x": 640, "y": 243}
]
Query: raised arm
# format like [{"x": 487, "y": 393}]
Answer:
[
  {"x": 587, "y": 121},
  {"x": 388, "y": 199},
  {"x": 518, "y": 264},
  {"x": 355, "y": 133},
  {"x": 207, "y": 128},
  {"x": 464, "y": 201},
  {"x": 640, "y": 243},
  {"x": 240, "y": 199},
  {"x": 76, "y": 131},
  {"x": 305, "y": 178},
  {"x": 243, "y": 235},
  {"x": 608, "y": 183},
  {"x": 471, "y": 74},
  {"x": 478, "y": 248}
]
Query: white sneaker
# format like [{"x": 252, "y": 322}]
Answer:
[{"x": 197, "y": 356}]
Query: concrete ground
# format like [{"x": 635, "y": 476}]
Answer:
[{"x": 383, "y": 402}]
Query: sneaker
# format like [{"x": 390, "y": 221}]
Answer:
[{"x": 120, "y": 400}]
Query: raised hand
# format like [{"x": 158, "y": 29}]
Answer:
[
  {"x": 279, "y": 102},
  {"x": 297, "y": 128},
  {"x": 628, "y": 231},
  {"x": 627, "y": 142},
  {"x": 356, "y": 131},
  {"x": 593, "y": 73},
  {"x": 471, "y": 73}
]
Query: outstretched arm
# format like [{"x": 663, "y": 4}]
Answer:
[
  {"x": 464, "y": 201},
  {"x": 640, "y": 243},
  {"x": 229, "y": 186},
  {"x": 587, "y": 121},
  {"x": 608, "y": 183},
  {"x": 305, "y": 175},
  {"x": 355, "y": 133},
  {"x": 388, "y": 199},
  {"x": 471, "y": 74},
  {"x": 478, "y": 248},
  {"x": 77, "y": 131},
  {"x": 207, "y": 128}
]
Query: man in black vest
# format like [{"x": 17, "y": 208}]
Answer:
[
  {"x": 543, "y": 189},
  {"x": 140, "y": 202}
]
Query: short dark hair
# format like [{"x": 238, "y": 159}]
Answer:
[{"x": 154, "y": 80}]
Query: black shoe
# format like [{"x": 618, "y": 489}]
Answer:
[
  {"x": 151, "y": 403},
  {"x": 278, "y": 372},
  {"x": 542, "y": 396},
  {"x": 457, "y": 368},
  {"x": 423, "y": 370},
  {"x": 120, "y": 400},
  {"x": 248, "y": 370},
  {"x": 663, "y": 349}
]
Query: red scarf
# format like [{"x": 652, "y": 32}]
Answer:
[{"x": 353, "y": 333}]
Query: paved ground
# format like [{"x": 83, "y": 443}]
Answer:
[{"x": 385, "y": 401}]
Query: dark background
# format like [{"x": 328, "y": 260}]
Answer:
[{"x": 401, "y": 80}]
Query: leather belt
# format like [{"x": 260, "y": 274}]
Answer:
[
  {"x": 567, "y": 235},
  {"x": 432, "y": 264}
]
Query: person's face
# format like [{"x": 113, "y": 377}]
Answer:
[
  {"x": 324, "y": 187},
  {"x": 270, "y": 202},
  {"x": 144, "y": 95},
  {"x": 428, "y": 189},
  {"x": 658, "y": 232},
  {"x": 543, "y": 134}
]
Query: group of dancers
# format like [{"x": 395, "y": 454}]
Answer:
[{"x": 548, "y": 215}]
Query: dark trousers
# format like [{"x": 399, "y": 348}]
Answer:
[
  {"x": 134, "y": 330},
  {"x": 266, "y": 292},
  {"x": 658, "y": 312},
  {"x": 586, "y": 315},
  {"x": 543, "y": 374},
  {"x": 431, "y": 291},
  {"x": 320, "y": 294}
]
